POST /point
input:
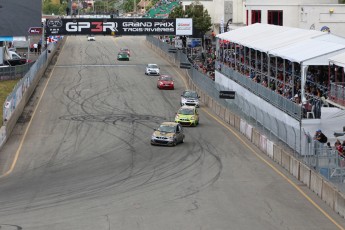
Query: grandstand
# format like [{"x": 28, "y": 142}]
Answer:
[{"x": 161, "y": 9}]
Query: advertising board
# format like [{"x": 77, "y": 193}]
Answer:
[{"x": 119, "y": 26}]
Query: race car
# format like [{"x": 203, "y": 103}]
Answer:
[
  {"x": 187, "y": 116},
  {"x": 91, "y": 38},
  {"x": 126, "y": 50},
  {"x": 165, "y": 82},
  {"x": 190, "y": 97},
  {"x": 123, "y": 56},
  {"x": 168, "y": 133},
  {"x": 152, "y": 69}
]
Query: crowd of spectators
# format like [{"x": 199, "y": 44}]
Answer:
[
  {"x": 279, "y": 75},
  {"x": 161, "y": 9}
]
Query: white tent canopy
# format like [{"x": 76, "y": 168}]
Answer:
[
  {"x": 265, "y": 37},
  {"x": 338, "y": 60},
  {"x": 308, "y": 51}
]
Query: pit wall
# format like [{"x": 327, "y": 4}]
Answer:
[{"x": 315, "y": 182}]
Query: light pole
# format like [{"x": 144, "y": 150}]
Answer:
[{"x": 135, "y": 6}]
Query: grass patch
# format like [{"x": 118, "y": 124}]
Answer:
[{"x": 6, "y": 87}]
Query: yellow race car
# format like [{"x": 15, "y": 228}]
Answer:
[{"x": 187, "y": 116}]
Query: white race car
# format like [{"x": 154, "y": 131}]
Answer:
[
  {"x": 91, "y": 38},
  {"x": 152, "y": 69}
]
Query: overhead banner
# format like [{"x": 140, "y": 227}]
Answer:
[{"x": 119, "y": 26}]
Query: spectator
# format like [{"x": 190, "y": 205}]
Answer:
[
  {"x": 36, "y": 48},
  {"x": 319, "y": 136},
  {"x": 39, "y": 47}
]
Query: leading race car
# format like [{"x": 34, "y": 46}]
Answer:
[
  {"x": 187, "y": 116},
  {"x": 165, "y": 82},
  {"x": 152, "y": 69},
  {"x": 168, "y": 133},
  {"x": 123, "y": 56},
  {"x": 91, "y": 38}
]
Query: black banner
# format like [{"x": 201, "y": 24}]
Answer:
[
  {"x": 227, "y": 94},
  {"x": 119, "y": 26}
]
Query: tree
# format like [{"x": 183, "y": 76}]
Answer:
[
  {"x": 178, "y": 12},
  {"x": 201, "y": 19},
  {"x": 50, "y": 7},
  {"x": 128, "y": 6}
]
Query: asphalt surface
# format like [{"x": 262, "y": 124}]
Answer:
[{"x": 81, "y": 157}]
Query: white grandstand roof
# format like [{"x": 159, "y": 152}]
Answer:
[
  {"x": 309, "y": 52},
  {"x": 311, "y": 47},
  {"x": 265, "y": 37},
  {"x": 338, "y": 60}
]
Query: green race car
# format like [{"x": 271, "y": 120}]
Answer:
[
  {"x": 187, "y": 116},
  {"x": 123, "y": 56}
]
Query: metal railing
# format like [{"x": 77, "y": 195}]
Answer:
[
  {"x": 20, "y": 88},
  {"x": 337, "y": 92}
]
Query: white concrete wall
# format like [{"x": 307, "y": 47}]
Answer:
[
  {"x": 317, "y": 16},
  {"x": 290, "y": 16},
  {"x": 215, "y": 9}
]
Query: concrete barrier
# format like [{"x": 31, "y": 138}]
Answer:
[
  {"x": 294, "y": 167},
  {"x": 249, "y": 132},
  {"x": 339, "y": 204},
  {"x": 237, "y": 122},
  {"x": 243, "y": 125},
  {"x": 269, "y": 151},
  {"x": 256, "y": 138},
  {"x": 263, "y": 143},
  {"x": 232, "y": 119},
  {"x": 316, "y": 183},
  {"x": 217, "y": 109},
  {"x": 285, "y": 160},
  {"x": 222, "y": 112},
  {"x": 304, "y": 174},
  {"x": 277, "y": 154},
  {"x": 2, "y": 135},
  {"x": 227, "y": 116},
  {"x": 328, "y": 193}
]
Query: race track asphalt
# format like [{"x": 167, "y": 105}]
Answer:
[{"x": 84, "y": 159}]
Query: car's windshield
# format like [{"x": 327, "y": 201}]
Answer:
[
  {"x": 166, "y": 128},
  {"x": 152, "y": 66},
  {"x": 185, "y": 111},
  {"x": 166, "y": 78},
  {"x": 122, "y": 53},
  {"x": 190, "y": 94}
]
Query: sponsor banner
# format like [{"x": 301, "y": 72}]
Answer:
[
  {"x": 119, "y": 26},
  {"x": 178, "y": 43},
  {"x": 184, "y": 26}
]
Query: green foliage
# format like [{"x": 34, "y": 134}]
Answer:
[
  {"x": 51, "y": 8},
  {"x": 178, "y": 12},
  {"x": 201, "y": 18},
  {"x": 128, "y": 6}
]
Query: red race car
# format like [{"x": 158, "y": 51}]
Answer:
[
  {"x": 165, "y": 82},
  {"x": 128, "y": 51}
]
